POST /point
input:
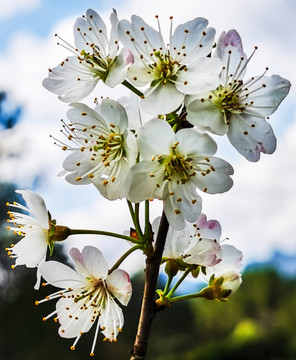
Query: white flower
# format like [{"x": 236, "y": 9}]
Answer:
[
  {"x": 32, "y": 248},
  {"x": 87, "y": 295},
  {"x": 197, "y": 243},
  {"x": 227, "y": 268},
  {"x": 103, "y": 149},
  {"x": 238, "y": 108},
  {"x": 95, "y": 58},
  {"x": 173, "y": 166},
  {"x": 171, "y": 71}
]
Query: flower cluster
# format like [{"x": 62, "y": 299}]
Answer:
[{"x": 154, "y": 144}]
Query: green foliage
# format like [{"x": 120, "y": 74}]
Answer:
[{"x": 257, "y": 322}]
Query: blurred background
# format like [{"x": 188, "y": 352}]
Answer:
[{"x": 257, "y": 214}]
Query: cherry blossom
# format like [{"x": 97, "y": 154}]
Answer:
[
  {"x": 173, "y": 166},
  {"x": 170, "y": 71},
  {"x": 95, "y": 57},
  {"x": 88, "y": 294},
  {"x": 103, "y": 148},
  {"x": 239, "y": 107},
  {"x": 197, "y": 243},
  {"x": 32, "y": 248}
]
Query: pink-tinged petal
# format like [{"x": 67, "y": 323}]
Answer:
[
  {"x": 193, "y": 143},
  {"x": 162, "y": 99},
  {"x": 36, "y": 206},
  {"x": 266, "y": 99},
  {"x": 206, "y": 116},
  {"x": 227, "y": 40},
  {"x": 119, "y": 284},
  {"x": 210, "y": 229},
  {"x": 201, "y": 76},
  {"x": 31, "y": 250},
  {"x": 230, "y": 51},
  {"x": 232, "y": 281},
  {"x": 156, "y": 137},
  {"x": 60, "y": 275},
  {"x": 231, "y": 261},
  {"x": 251, "y": 136},
  {"x": 92, "y": 260},
  {"x": 72, "y": 319},
  {"x": 202, "y": 251}
]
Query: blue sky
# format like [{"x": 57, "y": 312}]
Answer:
[
  {"x": 42, "y": 19},
  {"x": 263, "y": 199}
]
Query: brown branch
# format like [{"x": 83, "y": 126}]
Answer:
[{"x": 149, "y": 308}]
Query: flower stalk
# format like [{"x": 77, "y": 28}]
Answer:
[{"x": 149, "y": 308}]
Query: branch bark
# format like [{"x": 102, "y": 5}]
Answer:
[{"x": 149, "y": 309}]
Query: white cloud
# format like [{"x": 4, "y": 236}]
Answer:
[{"x": 12, "y": 7}]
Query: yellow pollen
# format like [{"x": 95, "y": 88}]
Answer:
[
  {"x": 91, "y": 354},
  {"x": 193, "y": 201},
  {"x": 78, "y": 178},
  {"x": 91, "y": 176},
  {"x": 113, "y": 179},
  {"x": 64, "y": 148},
  {"x": 55, "y": 319},
  {"x": 36, "y": 302},
  {"x": 83, "y": 113},
  {"x": 105, "y": 182},
  {"x": 12, "y": 266},
  {"x": 44, "y": 319},
  {"x": 72, "y": 347},
  {"x": 177, "y": 211}
]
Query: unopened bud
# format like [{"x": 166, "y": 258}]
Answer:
[{"x": 171, "y": 267}]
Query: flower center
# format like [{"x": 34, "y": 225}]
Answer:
[
  {"x": 165, "y": 69},
  {"x": 227, "y": 99},
  {"x": 176, "y": 165},
  {"x": 111, "y": 147},
  {"x": 100, "y": 64}
]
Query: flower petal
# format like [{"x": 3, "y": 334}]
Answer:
[
  {"x": 251, "y": 136},
  {"x": 72, "y": 80},
  {"x": 31, "y": 250},
  {"x": 60, "y": 275},
  {"x": 120, "y": 286},
  {"x": 267, "y": 98},
  {"x": 201, "y": 76},
  {"x": 162, "y": 99},
  {"x": 210, "y": 229},
  {"x": 206, "y": 116},
  {"x": 91, "y": 260},
  {"x": 36, "y": 206},
  {"x": 72, "y": 318},
  {"x": 156, "y": 137}
]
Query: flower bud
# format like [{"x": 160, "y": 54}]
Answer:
[{"x": 171, "y": 267}]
